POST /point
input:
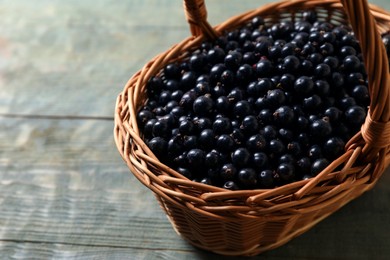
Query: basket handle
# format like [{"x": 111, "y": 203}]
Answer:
[
  {"x": 196, "y": 14},
  {"x": 376, "y": 129},
  {"x": 374, "y": 136}
]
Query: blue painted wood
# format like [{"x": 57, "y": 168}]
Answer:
[{"x": 64, "y": 191}]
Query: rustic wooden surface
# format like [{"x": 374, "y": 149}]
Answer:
[{"x": 65, "y": 193}]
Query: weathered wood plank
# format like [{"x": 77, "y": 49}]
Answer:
[
  {"x": 72, "y": 58},
  {"x": 60, "y": 251}
]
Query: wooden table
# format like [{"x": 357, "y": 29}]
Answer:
[{"x": 64, "y": 190}]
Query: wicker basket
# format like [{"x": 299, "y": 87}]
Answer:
[{"x": 249, "y": 222}]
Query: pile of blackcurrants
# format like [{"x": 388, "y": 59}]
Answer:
[{"x": 261, "y": 106}]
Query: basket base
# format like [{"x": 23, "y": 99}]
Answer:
[
  {"x": 254, "y": 236},
  {"x": 256, "y": 249}
]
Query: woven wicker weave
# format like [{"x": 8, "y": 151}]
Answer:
[{"x": 249, "y": 222}]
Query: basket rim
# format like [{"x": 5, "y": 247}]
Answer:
[{"x": 177, "y": 188}]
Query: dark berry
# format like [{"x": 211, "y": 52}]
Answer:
[
  {"x": 202, "y": 88},
  {"x": 332, "y": 62},
  {"x": 312, "y": 103},
  {"x": 276, "y": 147},
  {"x": 148, "y": 128},
  {"x": 188, "y": 80},
  {"x": 329, "y": 37},
  {"x": 306, "y": 67},
  {"x": 304, "y": 85},
  {"x": 274, "y": 52},
  {"x": 249, "y": 125},
  {"x": 202, "y": 123},
  {"x": 264, "y": 68},
  {"x": 302, "y": 123},
  {"x": 206, "y": 180},
  {"x": 212, "y": 159},
  {"x": 266, "y": 178},
  {"x": 206, "y": 139},
  {"x": 233, "y": 60},
  {"x": 242, "y": 108},
  {"x": 351, "y": 63},
  {"x": 227, "y": 78},
  {"x": 161, "y": 128},
  {"x": 287, "y": 158},
  {"x": 228, "y": 172},
  {"x": 287, "y": 82},
  {"x": 309, "y": 16},
  {"x": 265, "y": 116},
  {"x": 263, "y": 85},
  {"x": 249, "y": 57},
  {"x": 190, "y": 142},
  {"x": 230, "y": 185},
  {"x": 159, "y": 146},
  {"x": 286, "y": 134},
  {"x": 241, "y": 157},
  {"x": 197, "y": 62},
  {"x": 269, "y": 132},
  {"x": 320, "y": 128},
  {"x": 355, "y": 78},
  {"x": 294, "y": 148},
  {"x": 303, "y": 166},
  {"x": 222, "y": 125},
  {"x": 315, "y": 152},
  {"x": 286, "y": 172},
  {"x": 336, "y": 80},
  {"x": 188, "y": 99},
  {"x": 333, "y": 148},
  {"x": 247, "y": 177},
  {"x": 316, "y": 58},
  {"x": 283, "y": 116},
  {"x": 203, "y": 105},
  {"x": 263, "y": 43},
  {"x": 144, "y": 116},
  {"x": 225, "y": 143},
  {"x": 386, "y": 42},
  {"x": 303, "y": 139},
  {"x": 322, "y": 70},
  {"x": 291, "y": 64},
  {"x": 216, "y": 72},
  {"x": 321, "y": 87},
  {"x": 175, "y": 146},
  {"x": 355, "y": 115},
  {"x": 172, "y": 71},
  {"x": 185, "y": 172},
  {"x": 222, "y": 104},
  {"x": 346, "y": 103},
  {"x": 177, "y": 95},
  {"x": 333, "y": 113},
  {"x": 235, "y": 95},
  {"x": 256, "y": 143},
  {"x": 326, "y": 49},
  {"x": 276, "y": 97},
  {"x": 260, "y": 160},
  {"x": 196, "y": 157},
  {"x": 361, "y": 94},
  {"x": 318, "y": 166},
  {"x": 187, "y": 127},
  {"x": 215, "y": 55},
  {"x": 347, "y": 51}
]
